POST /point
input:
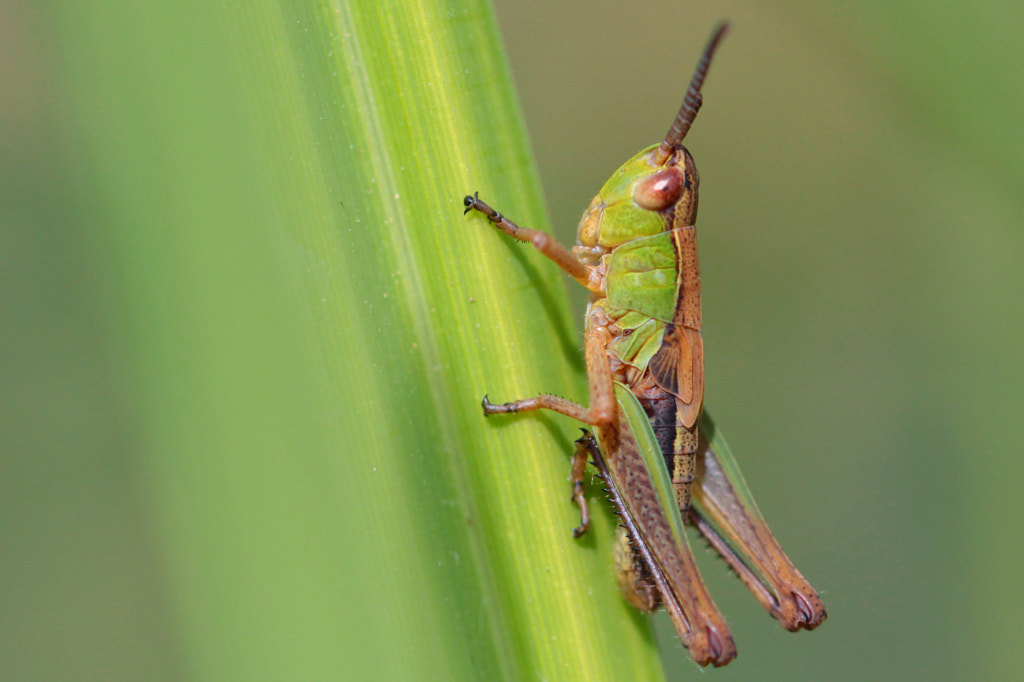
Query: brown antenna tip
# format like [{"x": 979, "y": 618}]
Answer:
[{"x": 692, "y": 101}]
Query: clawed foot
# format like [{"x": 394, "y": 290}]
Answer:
[{"x": 505, "y": 408}]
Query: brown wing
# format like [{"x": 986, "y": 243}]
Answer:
[
  {"x": 672, "y": 366},
  {"x": 678, "y": 367}
]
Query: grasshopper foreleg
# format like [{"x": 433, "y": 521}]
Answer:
[{"x": 542, "y": 241}]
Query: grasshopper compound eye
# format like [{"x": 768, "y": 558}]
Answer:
[{"x": 660, "y": 190}]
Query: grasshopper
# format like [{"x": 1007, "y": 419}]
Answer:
[{"x": 661, "y": 457}]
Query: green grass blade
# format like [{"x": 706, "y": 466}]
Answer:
[{"x": 306, "y": 323}]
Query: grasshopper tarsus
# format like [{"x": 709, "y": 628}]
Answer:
[
  {"x": 584, "y": 526},
  {"x": 505, "y": 408},
  {"x": 470, "y": 202},
  {"x": 579, "y": 496},
  {"x": 587, "y": 439},
  {"x": 473, "y": 203},
  {"x": 585, "y": 445}
]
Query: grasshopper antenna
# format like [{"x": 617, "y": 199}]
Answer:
[{"x": 692, "y": 101}]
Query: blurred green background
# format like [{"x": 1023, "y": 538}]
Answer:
[{"x": 861, "y": 219}]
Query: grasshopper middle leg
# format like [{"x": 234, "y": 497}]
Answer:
[{"x": 602, "y": 411}]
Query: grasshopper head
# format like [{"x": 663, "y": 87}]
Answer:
[
  {"x": 642, "y": 199},
  {"x": 656, "y": 190}
]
